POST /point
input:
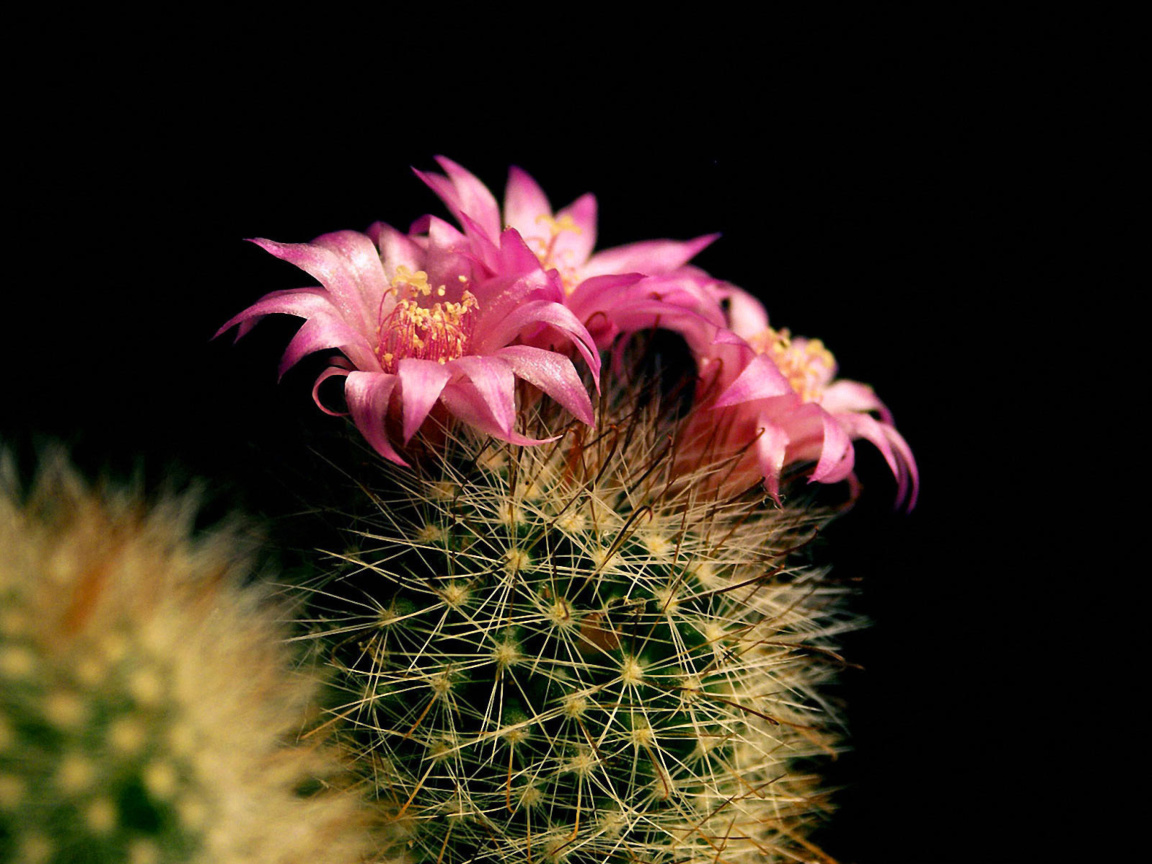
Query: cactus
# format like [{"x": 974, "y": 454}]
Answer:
[
  {"x": 149, "y": 709},
  {"x": 570, "y": 653}
]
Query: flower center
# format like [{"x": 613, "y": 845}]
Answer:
[
  {"x": 439, "y": 332},
  {"x": 806, "y": 363},
  {"x": 545, "y": 248}
]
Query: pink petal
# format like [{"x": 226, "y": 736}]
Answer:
[
  {"x": 324, "y": 376},
  {"x": 845, "y": 396},
  {"x": 463, "y": 193},
  {"x": 448, "y": 256},
  {"x": 604, "y": 294},
  {"x": 868, "y": 428},
  {"x": 746, "y": 314},
  {"x": 524, "y": 202},
  {"x": 356, "y": 284},
  {"x": 553, "y": 373},
  {"x": 771, "y": 445},
  {"x": 652, "y": 257},
  {"x": 909, "y": 480},
  {"x": 689, "y": 288},
  {"x": 420, "y": 384},
  {"x": 759, "y": 380},
  {"x": 396, "y": 249},
  {"x": 468, "y": 406},
  {"x": 324, "y": 328},
  {"x": 836, "y": 454},
  {"x": 892, "y": 446},
  {"x": 325, "y": 332},
  {"x": 575, "y": 246},
  {"x": 492, "y": 380},
  {"x": 368, "y": 394},
  {"x": 301, "y": 302},
  {"x": 363, "y": 257},
  {"x": 515, "y": 255},
  {"x": 498, "y": 333}
]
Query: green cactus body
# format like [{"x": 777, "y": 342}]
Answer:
[
  {"x": 95, "y": 765},
  {"x": 150, "y": 711},
  {"x": 568, "y": 653}
]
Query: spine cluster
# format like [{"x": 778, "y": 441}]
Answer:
[{"x": 569, "y": 653}]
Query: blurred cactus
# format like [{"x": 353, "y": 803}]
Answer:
[
  {"x": 149, "y": 709},
  {"x": 570, "y": 653}
]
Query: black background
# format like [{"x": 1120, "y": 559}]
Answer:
[{"x": 900, "y": 187}]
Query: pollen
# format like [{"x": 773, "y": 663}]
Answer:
[
  {"x": 806, "y": 363},
  {"x": 408, "y": 328},
  {"x": 556, "y": 227},
  {"x": 545, "y": 248}
]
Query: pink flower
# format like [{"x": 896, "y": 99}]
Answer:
[
  {"x": 621, "y": 290},
  {"x": 423, "y": 327},
  {"x": 780, "y": 395}
]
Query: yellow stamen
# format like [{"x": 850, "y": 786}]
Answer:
[
  {"x": 559, "y": 226},
  {"x": 545, "y": 248},
  {"x": 440, "y": 332},
  {"x": 806, "y": 363}
]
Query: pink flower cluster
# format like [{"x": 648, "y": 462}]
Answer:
[{"x": 442, "y": 321}]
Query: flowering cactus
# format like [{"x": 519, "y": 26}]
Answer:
[
  {"x": 149, "y": 710},
  {"x": 566, "y": 632},
  {"x": 421, "y": 326},
  {"x": 771, "y": 401}
]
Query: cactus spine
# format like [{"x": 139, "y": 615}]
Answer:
[{"x": 569, "y": 653}]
